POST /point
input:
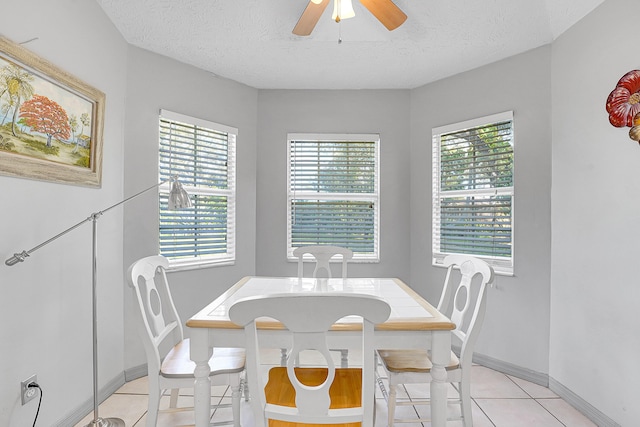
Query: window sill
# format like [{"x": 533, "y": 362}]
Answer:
[
  {"x": 338, "y": 261},
  {"x": 197, "y": 265},
  {"x": 500, "y": 268}
]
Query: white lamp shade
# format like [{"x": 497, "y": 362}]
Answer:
[
  {"x": 178, "y": 197},
  {"x": 342, "y": 9}
]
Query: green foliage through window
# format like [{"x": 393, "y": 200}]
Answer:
[
  {"x": 473, "y": 190},
  {"x": 333, "y": 192}
]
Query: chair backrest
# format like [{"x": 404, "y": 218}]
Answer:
[
  {"x": 322, "y": 255},
  {"x": 160, "y": 326},
  {"x": 464, "y": 303},
  {"x": 308, "y": 332}
]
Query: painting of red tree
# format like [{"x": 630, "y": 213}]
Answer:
[
  {"x": 46, "y": 116},
  {"x": 51, "y": 122}
]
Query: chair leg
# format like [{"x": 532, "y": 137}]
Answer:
[
  {"x": 245, "y": 388},
  {"x": 344, "y": 358},
  {"x": 153, "y": 406},
  {"x": 465, "y": 403},
  {"x": 391, "y": 404},
  {"x": 173, "y": 400},
  {"x": 283, "y": 357},
  {"x": 235, "y": 403}
]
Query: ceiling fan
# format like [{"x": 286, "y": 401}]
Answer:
[{"x": 386, "y": 11}]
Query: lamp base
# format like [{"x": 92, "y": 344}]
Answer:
[{"x": 106, "y": 422}]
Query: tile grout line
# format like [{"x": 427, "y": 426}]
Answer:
[
  {"x": 550, "y": 413},
  {"x": 413, "y": 406},
  {"x": 482, "y": 410},
  {"x": 487, "y": 415},
  {"x": 535, "y": 400},
  {"x": 528, "y": 395}
]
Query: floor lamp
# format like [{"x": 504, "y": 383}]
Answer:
[{"x": 178, "y": 199}]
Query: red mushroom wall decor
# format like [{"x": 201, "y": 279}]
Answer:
[{"x": 623, "y": 104}]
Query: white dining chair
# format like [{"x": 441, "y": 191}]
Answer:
[
  {"x": 168, "y": 362},
  {"x": 464, "y": 303},
  {"x": 322, "y": 255},
  {"x": 314, "y": 394}
]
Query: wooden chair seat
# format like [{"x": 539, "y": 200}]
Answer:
[
  {"x": 318, "y": 394},
  {"x": 465, "y": 304},
  {"x": 412, "y": 361},
  {"x": 177, "y": 363},
  {"x": 280, "y": 391}
]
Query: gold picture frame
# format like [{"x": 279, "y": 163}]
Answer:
[{"x": 51, "y": 123}]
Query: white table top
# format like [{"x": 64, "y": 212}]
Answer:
[{"x": 409, "y": 311}]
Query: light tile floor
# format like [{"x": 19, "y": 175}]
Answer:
[{"x": 499, "y": 401}]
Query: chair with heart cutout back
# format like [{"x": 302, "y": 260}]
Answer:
[
  {"x": 168, "y": 362},
  {"x": 319, "y": 394},
  {"x": 322, "y": 255},
  {"x": 465, "y": 305}
]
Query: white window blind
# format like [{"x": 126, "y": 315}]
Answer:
[
  {"x": 333, "y": 196},
  {"x": 473, "y": 190},
  {"x": 202, "y": 156}
]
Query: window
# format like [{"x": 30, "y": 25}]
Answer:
[
  {"x": 333, "y": 193},
  {"x": 202, "y": 155},
  {"x": 473, "y": 190}
]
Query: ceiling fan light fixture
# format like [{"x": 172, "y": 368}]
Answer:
[
  {"x": 316, "y": 1},
  {"x": 342, "y": 9}
]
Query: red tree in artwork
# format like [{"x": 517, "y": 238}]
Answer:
[{"x": 46, "y": 116}]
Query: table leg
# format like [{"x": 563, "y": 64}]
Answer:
[
  {"x": 440, "y": 355},
  {"x": 200, "y": 354}
]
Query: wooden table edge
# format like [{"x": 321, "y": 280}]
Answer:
[{"x": 438, "y": 322}]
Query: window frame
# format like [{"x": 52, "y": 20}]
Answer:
[
  {"x": 501, "y": 265},
  {"x": 227, "y": 258},
  {"x": 358, "y": 257}
]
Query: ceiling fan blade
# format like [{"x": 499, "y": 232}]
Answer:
[
  {"x": 309, "y": 18},
  {"x": 386, "y": 11}
]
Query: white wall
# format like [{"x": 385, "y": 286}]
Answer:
[
  {"x": 155, "y": 82},
  {"x": 578, "y": 285},
  {"x": 516, "y": 328},
  {"x": 596, "y": 210},
  {"x": 45, "y": 308},
  {"x": 349, "y": 111}
]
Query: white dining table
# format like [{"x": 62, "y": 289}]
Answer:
[{"x": 413, "y": 323}]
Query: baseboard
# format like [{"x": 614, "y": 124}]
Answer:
[
  {"x": 584, "y": 407},
  {"x": 135, "y": 372},
  {"x": 511, "y": 369},
  {"x": 600, "y": 419},
  {"x": 507, "y": 368},
  {"x": 87, "y": 407}
]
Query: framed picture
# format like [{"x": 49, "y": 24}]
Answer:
[{"x": 51, "y": 123}]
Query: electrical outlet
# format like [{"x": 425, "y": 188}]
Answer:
[{"x": 28, "y": 393}]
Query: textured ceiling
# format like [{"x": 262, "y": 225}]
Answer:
[{"x": 250, "y": 41}]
